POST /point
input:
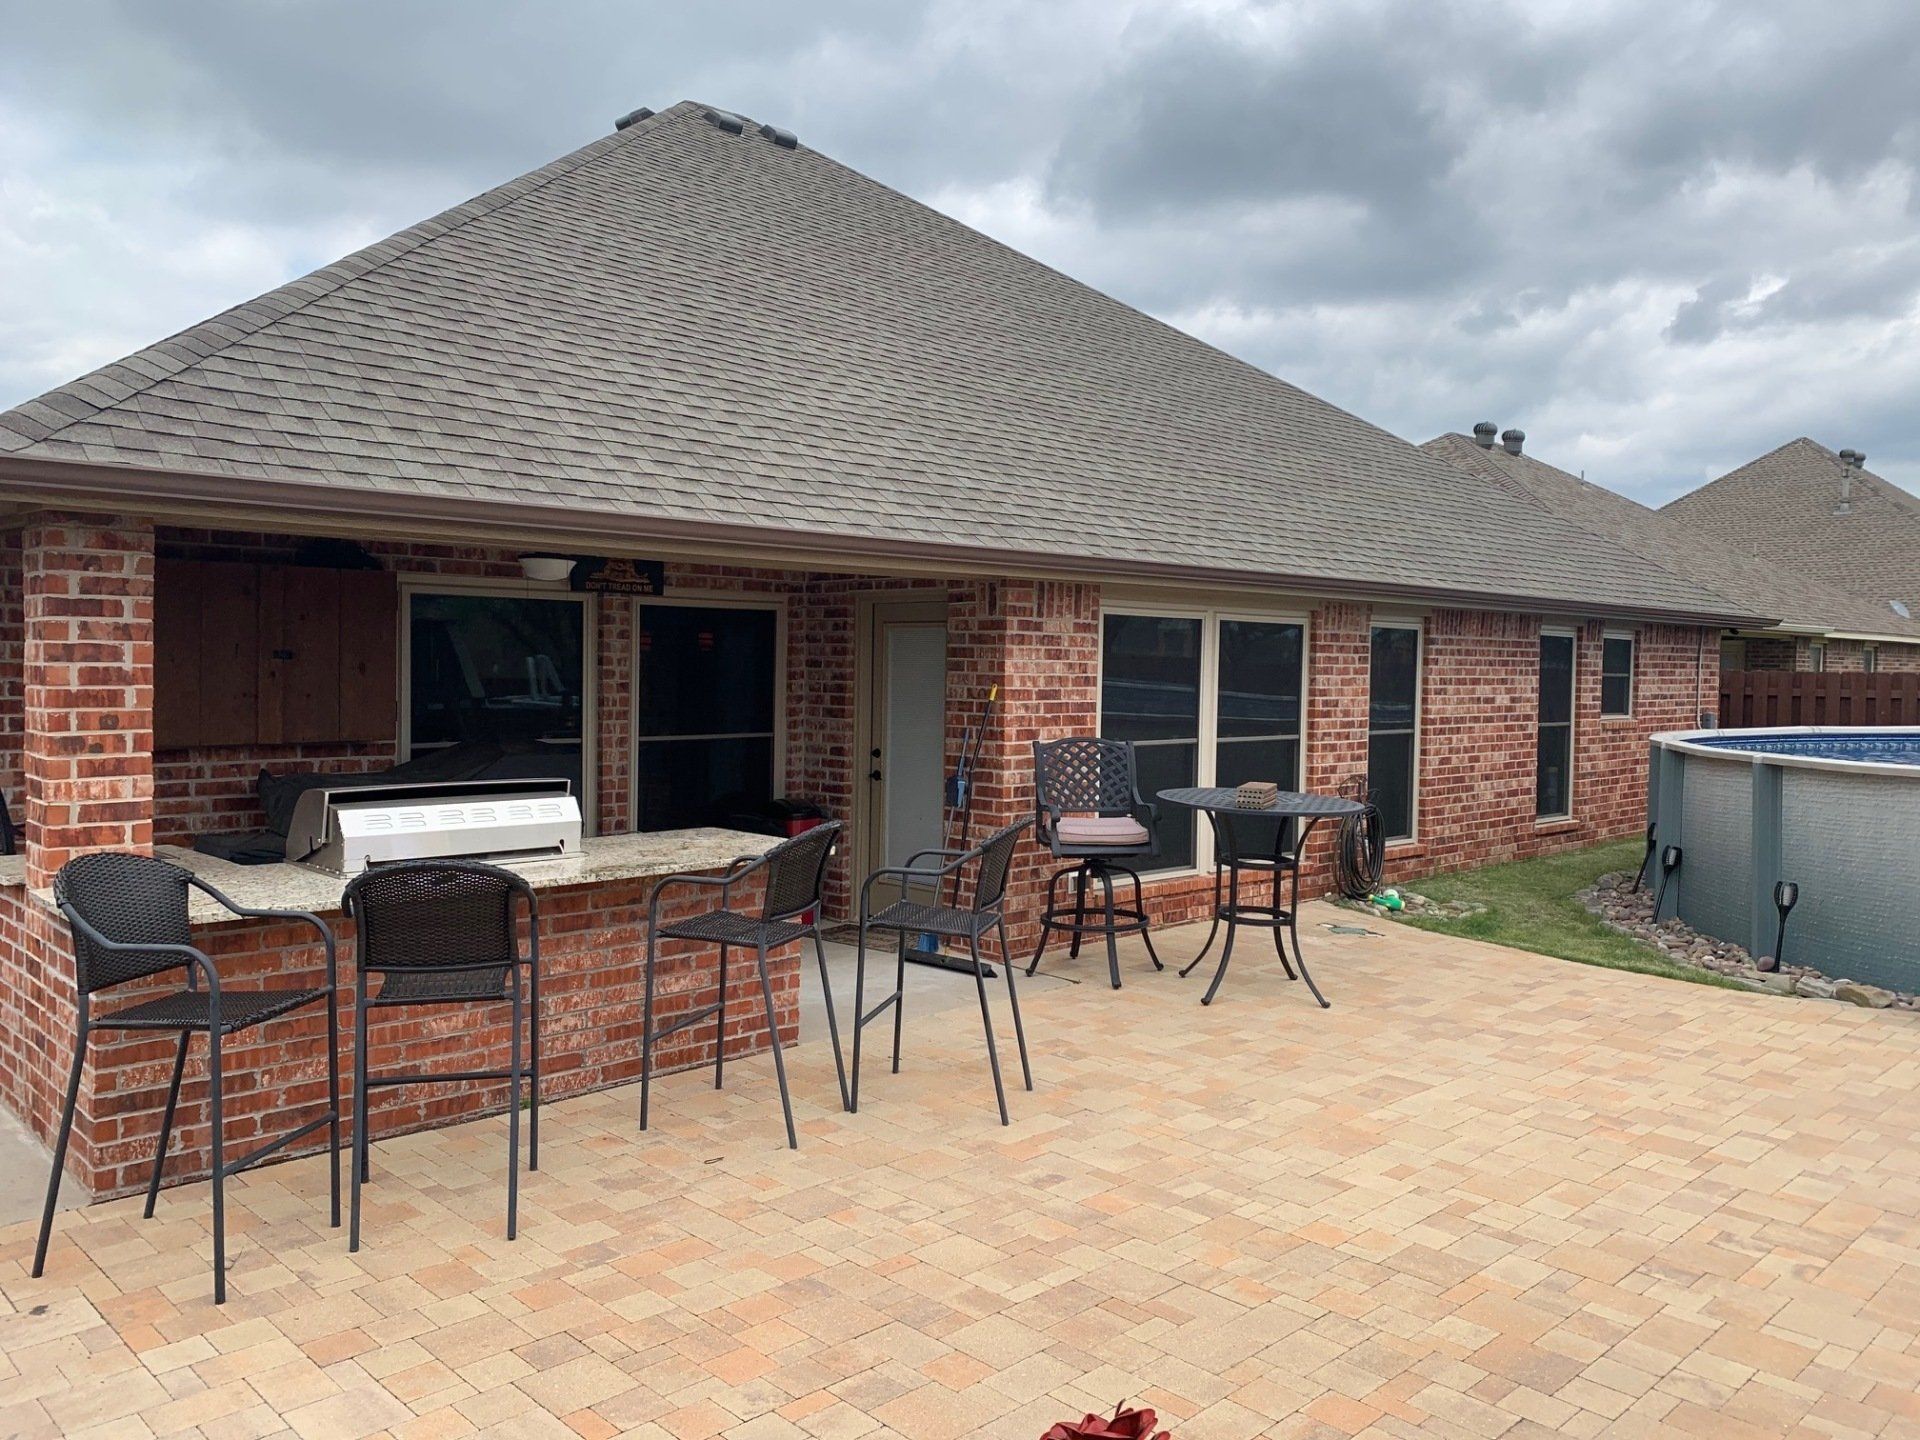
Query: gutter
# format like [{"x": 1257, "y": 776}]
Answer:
[{"x": 196, "y": 497}]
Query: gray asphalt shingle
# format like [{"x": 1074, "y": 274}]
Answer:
[{"x": 679, "y": 324}]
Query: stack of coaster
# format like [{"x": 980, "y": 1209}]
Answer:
[{"x": 1256, "y": 795}]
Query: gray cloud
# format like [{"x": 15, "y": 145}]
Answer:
[{"x": 1660, "y": 238}]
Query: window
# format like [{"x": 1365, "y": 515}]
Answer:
[
  {"x": 1869, "y": 658},
  {"x": 1207, "y": 699},
  {"x": 1150, "y": 694},
  {"x": 1816, "y": 657},
  {"x": 1553, "y": 774},
  {"x": 707, "y": 699},
  {"x": 499, "y": 678},
  {"x": 1616, "y": 675},
  {"x": 1393, "y": 717}
]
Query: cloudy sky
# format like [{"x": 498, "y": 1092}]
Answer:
[{"x": 1660, "y": 237}]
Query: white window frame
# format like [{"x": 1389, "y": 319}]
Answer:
[
  {"x": 1208, "y": 740},
  {"x": 1870, "y": 659},
  {"x": 416, "y": 582},
  {"x": 710, "y": 600},
  {"x": 1417, "y": 624},
  {"x": 1816, "y": 656},
  {"x": 1573, "y": 726},
  {"x": 1632, "y": 637}
]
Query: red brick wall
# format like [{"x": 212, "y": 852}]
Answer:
[
  {"x": 12, "y": 681},
  {"x": 87, "y": 686}
]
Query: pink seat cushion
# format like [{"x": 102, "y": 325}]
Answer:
[{"x": 1102, "y": 830}]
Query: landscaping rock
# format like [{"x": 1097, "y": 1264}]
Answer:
[{"x": 1620, "y": 907}]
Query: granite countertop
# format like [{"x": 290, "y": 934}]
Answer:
[{"x": 602, "y": 858}]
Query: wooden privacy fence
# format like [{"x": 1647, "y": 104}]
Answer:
[{"x": 1830, "y": 697}]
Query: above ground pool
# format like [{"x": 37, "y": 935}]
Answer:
[{"x": 1833, "y": 812}]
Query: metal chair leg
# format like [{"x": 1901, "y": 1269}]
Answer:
[
  {"x": 859, "y": 1014},
  {"x": 1047, "y": 922},
  {"x": 533, "y": 1068},
  {"x": 986, "y": 1023},
  {"x": 358, "y": 1161},
  {"x": 900, "y": 1001},
  {"x": 646, "y": 1030},
  {"x": 1080, "y": 911},
  {"x": 1146, "y": 930},
  {"x": 60, "y": 1151},
  {"x": 720, "y": 1025},
  {"x": 333, "y": 1103},
  {"x": 166, "y": 1129},
  {"x": 513, "y": 1109},
  {"x": 1013, "y": 999},
  {"x": 218, "y": 1142},
  {"x": 833, "y": 1025},
  {"x": 773, "y": 1039},
  {"x": 1113, "y": 940}
]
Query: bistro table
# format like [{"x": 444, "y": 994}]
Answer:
[{"x": 1261, "y": 849}]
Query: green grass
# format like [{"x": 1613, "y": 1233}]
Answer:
[{"x": 1531, "y": 905}]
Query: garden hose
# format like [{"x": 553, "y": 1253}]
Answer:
[{"x": 1359, "y": 853}]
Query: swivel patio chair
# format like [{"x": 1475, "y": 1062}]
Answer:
[
  {"x": 990, "y": 862},
  {"x": 796, "y": 874},
  {"x": 128, "y": 918},
  {"x": 446, "y": 932},
  {"x": 1089, "y": 811}
]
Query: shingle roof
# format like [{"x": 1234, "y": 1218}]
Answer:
[
  {"x": 678, "y": 324},
  {"x": 1781, "y": 506},
  {"x": 1757, "y": 586}
]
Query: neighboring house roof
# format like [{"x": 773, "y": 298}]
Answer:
[
  {"x": 1783, "y": 507},
  {"x": 679, "y": 330},
  {"x": 1761, "y": 586}
]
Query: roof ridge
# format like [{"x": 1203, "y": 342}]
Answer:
[{"x": 164, "y": 358}]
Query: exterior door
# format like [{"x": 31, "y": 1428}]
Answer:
[{"x": 906, "y": 732}]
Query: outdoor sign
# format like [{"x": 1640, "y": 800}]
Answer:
[{"x": 620, "y": 576}]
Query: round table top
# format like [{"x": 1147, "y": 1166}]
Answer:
[{"x": 1224, "y": 799}]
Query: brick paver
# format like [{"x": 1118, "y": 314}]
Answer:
[{"x": 1487, "y": 1194}]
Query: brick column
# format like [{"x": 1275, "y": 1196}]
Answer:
[
  {"x": 88, "y": 683},
  {"x": 1039, "y": 641},
  {"x": 1339, "y": 664}
]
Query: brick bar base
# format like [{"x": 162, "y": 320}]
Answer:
[{"x": 592, "y": 945}]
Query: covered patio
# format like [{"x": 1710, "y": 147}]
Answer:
[{"x": 1494, "y": 1194}]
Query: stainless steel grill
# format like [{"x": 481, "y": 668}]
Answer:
[{"x": 344, "y": 829}]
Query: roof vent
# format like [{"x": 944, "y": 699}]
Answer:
[
  {"x": 1850, "y": 461},
  {"x": 1513, "y": 440},
  {"x": 1484, "y": 433},
  {"x": 633, "y": 117},
  {"x": 785, "y": 139},
  {"x": 724, "y": 120}
]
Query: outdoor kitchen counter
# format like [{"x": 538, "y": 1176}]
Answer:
[{"x": 602, "y": 859}]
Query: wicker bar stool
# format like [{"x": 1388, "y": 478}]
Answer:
[
  {"x": 128, "y": 918},
  {"x": 990, "y": 861},
  {"x": 796, "y": 874},
  {"x": 446, "y": 932},
  {"x": 1088, "y": 811}
]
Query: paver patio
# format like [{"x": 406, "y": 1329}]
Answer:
[{"x": 1486, "y": 1194}]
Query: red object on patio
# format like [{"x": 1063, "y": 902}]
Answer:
[{"x": 1123, "y": 1424}]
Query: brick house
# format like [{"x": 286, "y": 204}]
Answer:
[
  {"x": 1830, "y": 523},
  {"x": 1826, "y": 624},
  {"x": 883, "y": 464}
]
